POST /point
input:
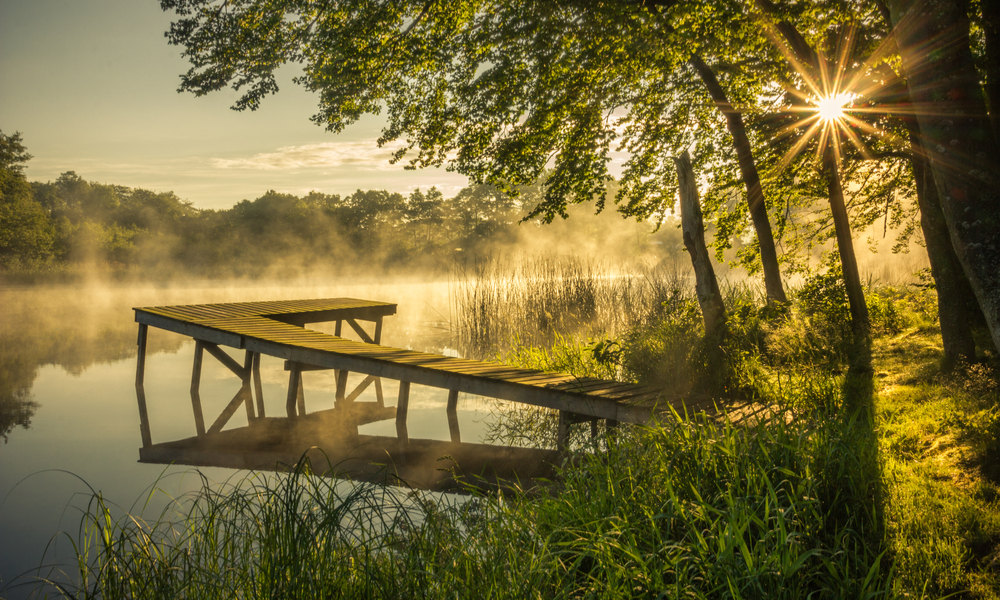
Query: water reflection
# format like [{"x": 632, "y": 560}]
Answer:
[
  {"x": 48, "y": 326},
  {"x": 329, "y": 441},
  {"x": 68, "y": 404}
]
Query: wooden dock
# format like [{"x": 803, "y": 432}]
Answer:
[{"x": 278, "y": 329}]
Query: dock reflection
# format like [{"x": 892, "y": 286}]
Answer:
[{"x": 330, "y": 442}]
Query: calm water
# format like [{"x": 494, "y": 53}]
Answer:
[{"x": 68, "y": 409}]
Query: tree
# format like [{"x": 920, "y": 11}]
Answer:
[
  {"x": 498, "y": 90},
  {"x": 13, "y": 154},
  {"x": 887, "y": 110},
  {"x": 962, "y": 152},
  {"x": 26, "y": 234}
]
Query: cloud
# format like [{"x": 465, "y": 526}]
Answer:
[{"x": 364, "y": 154}]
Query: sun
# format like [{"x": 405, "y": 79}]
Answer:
[{"x": 831, "y": 107}]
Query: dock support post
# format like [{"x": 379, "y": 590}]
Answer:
[
  {"x": 378, "y": 380},
  {"x": 401, "y": 404},
  {"x": 611, "y": 430},
  {"x": 199, "y": 417},
  {"x": 245, "y": 388},
  {"x": 140, "y": 389},
  {"x": 294, "y": 381},
  {"x": 562, "y": 437},
  {"x": 258, "y": 386},
  {"x": 341, "y": 386},
  {"x": 300, "y": 397},
  {"x": 456, "y": 435}
]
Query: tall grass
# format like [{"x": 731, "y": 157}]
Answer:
[
  {"x": 503, "y": 303},
  {"x": 691, "y": 508}
]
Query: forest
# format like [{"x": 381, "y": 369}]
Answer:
[{"x": 72, "y": 224}]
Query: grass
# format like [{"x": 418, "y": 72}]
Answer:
[
  {"x": 844, "y": 486},
  {"x": 503, "y": 304}
]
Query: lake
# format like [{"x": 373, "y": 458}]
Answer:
[{"x": 68, "y": 409}]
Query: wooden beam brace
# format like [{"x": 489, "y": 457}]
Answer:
[
  {"x": 227, "y": 413},
  {"x": 304, "y": 367},
  {"x": 361, "y": 388},
  {"x": 341, "y": 386},
  {"x": 562, "y": 437},
  {"x": 360, "y": 331},
  {"x": 300, "y": 397},
  {"x": 225, "y": 359}
]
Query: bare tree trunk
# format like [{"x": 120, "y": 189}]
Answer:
[
  {"x": 751, "y": 179},
  {"x": 933, "y": 41},
  {"x": 706, "y": 285},
  {"x": 861, "y": 354}
]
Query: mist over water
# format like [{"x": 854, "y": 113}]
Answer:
[{"x": 68, "y": 409}]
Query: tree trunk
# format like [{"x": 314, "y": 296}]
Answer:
[
  {"x": 932, "y": 36},
  {"x": 748, "y": 170},
  {"x": 861, "y": 354},
  {"x": 958, "y": 309},
  {"x": 956, "y": 302},
  {"x": 991, "y": 35},
  {"x": 706, "y": 285}
]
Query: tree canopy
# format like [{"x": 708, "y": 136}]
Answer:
[{"x": 502, "y": 90}]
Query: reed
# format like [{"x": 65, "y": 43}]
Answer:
[{"x": 502, "y": 303}]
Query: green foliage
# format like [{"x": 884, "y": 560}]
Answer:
[
  {"x": 500, "y": 91},
  {"x": 26, "y": 234},
  {"x": 13, "y": 154},
  {"x": 821, "y": 329}
]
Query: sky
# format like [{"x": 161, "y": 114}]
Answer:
[{"x": 92, "y": 87}]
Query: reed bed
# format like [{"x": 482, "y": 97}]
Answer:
[{"x": 504, "y": 303}]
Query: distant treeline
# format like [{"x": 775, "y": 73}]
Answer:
[{"x": 73, "y": 221}]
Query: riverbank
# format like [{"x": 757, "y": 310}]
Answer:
[{"x": 882, "y": 486}]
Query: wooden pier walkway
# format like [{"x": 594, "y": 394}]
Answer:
[{"x": 278, "y": 329}]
